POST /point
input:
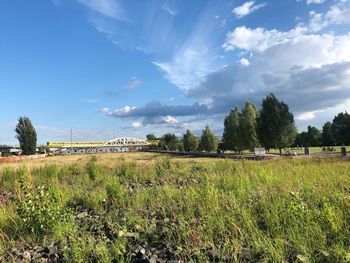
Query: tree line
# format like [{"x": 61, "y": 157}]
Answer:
[
  {"x": 271, "y": 127},
  {"x": 335, "y": 133}
]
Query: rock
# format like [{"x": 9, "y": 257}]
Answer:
[
  {"x": 133, "y": 235},
  {"x": 52, "y": 249},
  {"x": 26, "y": 256},
  {"x": 82, "y": 215},
  {"x": 36, "y": 256}
]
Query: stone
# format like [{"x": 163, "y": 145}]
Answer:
[
  {"x": 343, "y": 151},
  {"x": 26, "y": 256}
]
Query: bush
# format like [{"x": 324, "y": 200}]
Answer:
[
  {"x": 39, "y": 210},
  {"x": 92, "y": 168},
  {"x": 114, "y": 191}
]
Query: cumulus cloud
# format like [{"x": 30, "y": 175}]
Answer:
[
  {"x": 309, "y": 71},
  {"x": 338, "y": 14},
  {"x": 136, "y": 125},
  {"x": 244, "y": 62},
  {"x": 247, "y": 8},
  {"x": 258, "y": 39}
]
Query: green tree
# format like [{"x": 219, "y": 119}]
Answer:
[
  {"x": 327, "y": 134},
  {"x": 169, "y": 142},
  {"x": 341, "y": 128},
  {"x": 151, "y": 137},
  {"x": 190, "y": 142},
  {"x": 231, "y": 137},
  {"x": 26, "y": 135},
  {"x": 248, "y": 126},
  {"x": 208, "y": 142},
  {"x": 301, "y": 139},
  {"x": 276, "y": 128},
  {"x": 313, "y": 136}
]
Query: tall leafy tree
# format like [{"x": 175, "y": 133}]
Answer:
[
  {"x": 276, "y": 128},
  {"x": 26, "y": 135},
  {"x": 232, "y": 138},
  {"x": 169, "y": 141},
  {"x": 151, "y": 137},
  {"x": 248, "y": 126},
  {"x": 208, "y": 142},
  {"x": 313, "y": 136},
  {"x": 301, "y": 139},
  {"x": 190, "y": 141},
  {"x": 341, "y": 128},
  {"x": 327, "y": 134}
]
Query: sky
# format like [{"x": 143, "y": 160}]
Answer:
[{"x": 114, "y": 68}]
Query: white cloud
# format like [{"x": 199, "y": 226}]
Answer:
[
  {"x": 169, "y": 10},
  {"x": 247, "y": 8},
  {"x": 104, "y": 110},
  {"x": 187, "y": 67},
  {"x": 306, "y": 116},
  {"x": 309, "y": 71},
  {"x": 315, "y": 1},
  {"x": 197, "y": 54},
  {"x": 108, "y": 8},
  {"x": 244, "y": 62},
  {"x": 169, "y": 119},
  {"x": 91, "y": 101},
  {"x": 258, "y": 39},
  {"x": 134, "y": 83},
  {"x": 338, "y": 14},
  {"x": 136, "y": 125}
]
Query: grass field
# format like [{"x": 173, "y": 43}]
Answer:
[{"x": 142, "y": 207}]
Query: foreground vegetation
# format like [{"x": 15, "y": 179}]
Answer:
[{"x": 185, "y": 209}]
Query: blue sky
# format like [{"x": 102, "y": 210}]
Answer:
[{"x": 110, "y": 68}]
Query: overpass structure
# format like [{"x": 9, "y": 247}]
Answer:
[{"x": 121, "y": 144}]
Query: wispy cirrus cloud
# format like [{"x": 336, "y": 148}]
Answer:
[
  {"x": 134, "y": 83},
  {"x": 247, "y": 8},
  {"x": 315, "y": 1},
  {"x": 90, "y": 101},
  {"x": 108, "y": 8},
  {"x": 170, "y": 10}
]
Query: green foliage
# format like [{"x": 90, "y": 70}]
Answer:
[
  {"x": 26, "y": 135},
  {"x": 276, "y": 129},
  {"x": 327, "y": 134},
  {"x": 93, "y": 168},
  {"x": 341, "y": 128},
  {"x": 114, "y": 191},
  {"x": 162, "y": 167},
  {"x": 44, "y": 149},
  {"x": 208, "y": 142},
  {"x": 232, "y": 136},
  {"x": 248, "y": 126},
  {"x": 190, "y": 141},
  {"x": 311, "y": 138},
  {"x": 151, "y": 137},
  {"x": 169, "y": 142},
  {"x": 240, "y": 129},
  {"x": 39, "y": 210}
]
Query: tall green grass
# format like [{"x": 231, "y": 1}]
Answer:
[{"x": 273, "y": 211}]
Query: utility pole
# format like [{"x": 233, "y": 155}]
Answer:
[{"x": 71, "y": 141}]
